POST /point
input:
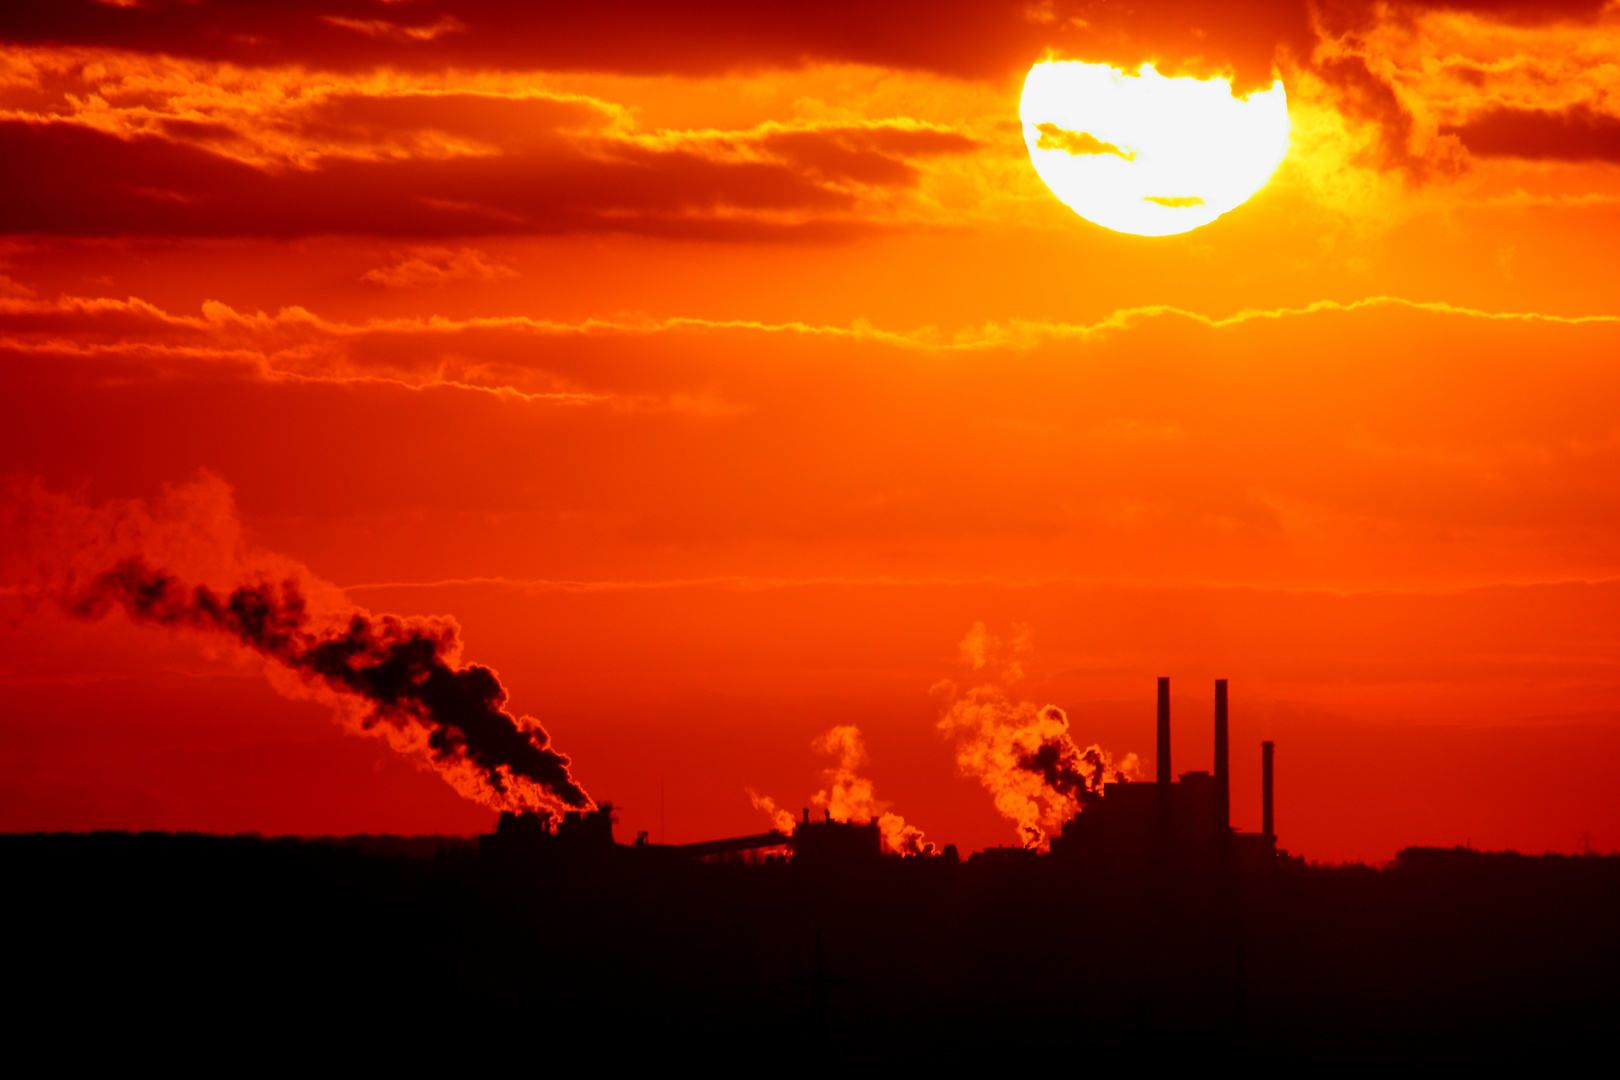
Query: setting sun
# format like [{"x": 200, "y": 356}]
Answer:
[{"x": 1145, "y": 154}]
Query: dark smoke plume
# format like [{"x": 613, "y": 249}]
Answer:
[
  {"x": 1066, "y": 768},
  {"x": 1026, "y": 757},
  {"x": 397, "y": 670}
]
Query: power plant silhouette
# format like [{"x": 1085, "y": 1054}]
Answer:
[
  {"x": 1149, "y": 930},
  {"x": 1171, "y": 822}
]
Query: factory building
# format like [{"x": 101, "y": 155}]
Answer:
[
  {"x": 1185, "y": 820},
  {"x": 836, "y": 844},
  {"x": 576, "y": 832},
  {"x": 824, "y": 844}
]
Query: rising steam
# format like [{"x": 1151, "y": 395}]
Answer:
[
  {"x": 1023, "y": 754},
  {"x": 1027, "y": 760},
  {"x": 848, "y": 796},
  {"x": 781, "y": 820},
  {"x": 397, "y": 676}
]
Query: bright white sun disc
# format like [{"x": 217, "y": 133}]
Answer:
[{"x": 1140, "y": 153}]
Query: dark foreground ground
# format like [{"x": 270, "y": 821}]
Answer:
[{"x": 235, "y": 951}]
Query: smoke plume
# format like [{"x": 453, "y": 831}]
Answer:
[
  {"x": 848, "y": 796},
  {"x": 392, "y": 675},
  {"x": 781, "y": 820},
  {"x": 1027, "y": 760}
]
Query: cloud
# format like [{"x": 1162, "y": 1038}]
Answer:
[
  {"x": 497, "y": 354},
  {"x": 1077, "y": 142},
  {"x": 1332, "y": 442},
  {"x": 154, "y": 146},
  {"x": 398, "y": 32},
  {"x": 72, "y": 181},
  {"x": 702, "y": 37},
  {"x": 1431, "y": 75},
  {"x": 152, "y": 121},
  {"x": 438, "y": 266},
  {"x": 1579, "y": 133},
  {"x": 991, "y": 39}
]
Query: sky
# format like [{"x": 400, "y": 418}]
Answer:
[{"x": 718, "y": 375}]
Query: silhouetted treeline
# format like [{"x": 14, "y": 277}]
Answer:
[{"x": 164, "y": 947}]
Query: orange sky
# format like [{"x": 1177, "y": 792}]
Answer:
[{"x": 718, "y": 368}]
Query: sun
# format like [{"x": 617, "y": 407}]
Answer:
[{"x": 1140, "y": 153}]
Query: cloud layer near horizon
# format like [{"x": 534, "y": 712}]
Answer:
[{"x": 1375, "y": 443}]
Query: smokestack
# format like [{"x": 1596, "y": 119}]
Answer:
[
  {"x": 1267, "y": 823},
  {"x": 1223, "y": 783},
  {"x": 1163, "y": 756}
]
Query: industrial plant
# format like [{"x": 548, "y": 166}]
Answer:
[
  {"x": 1171, "y": 823},
  {"x": 1148, "y": 928}
]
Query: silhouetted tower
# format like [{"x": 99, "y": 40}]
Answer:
[
  {"x": 1267, "y": 824},
  {"x": 1163, "y": 756},
  {"x": 1223, "y": 780}
]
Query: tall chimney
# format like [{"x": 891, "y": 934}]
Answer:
[
  {"x": 1223, "y": 783},
  {"x": 1163, "y": 757},
  {"x": 1267, "y": 822}
]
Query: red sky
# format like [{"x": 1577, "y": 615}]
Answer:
[{"x": 718, "y": 368}]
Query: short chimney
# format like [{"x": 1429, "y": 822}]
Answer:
[
  {"x": 1268, "y": 824},
  {"x": 1223, "y": 780},
  {"x": 1164, "y": 732},
  {"x": 807, "y": 815}
]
